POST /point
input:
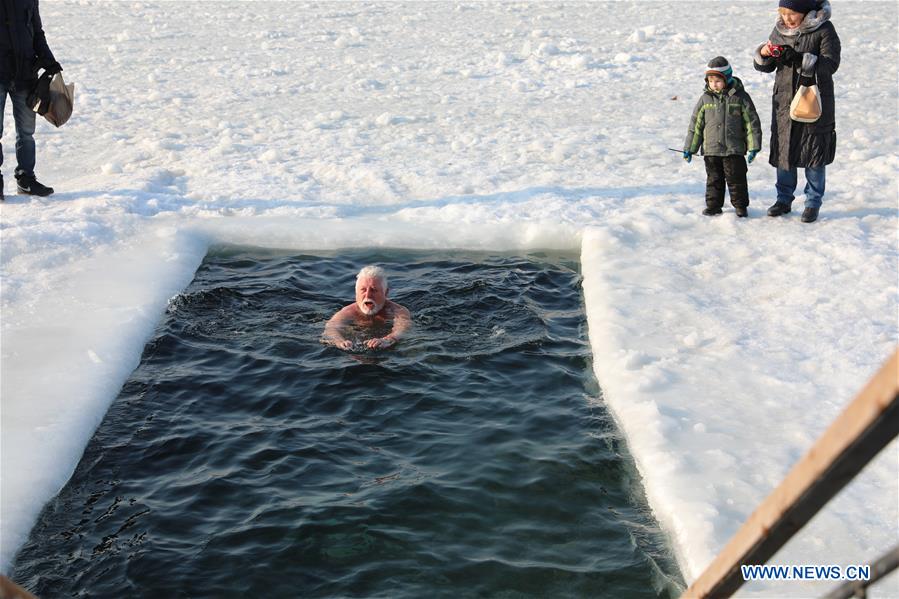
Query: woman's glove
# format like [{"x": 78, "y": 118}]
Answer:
[
  {"x": 807, "y": 66},
  {"x": 688, "y": 156},
  {"x": 790, "y": 57},
  {"x": 751, "y": 156}
]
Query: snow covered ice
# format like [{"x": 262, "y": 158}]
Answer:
[{"x": 723, "y": 347}]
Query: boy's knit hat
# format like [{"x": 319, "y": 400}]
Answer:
[
  {"x": 803, "y": 6},
  {"x": 719, "y": 67}
]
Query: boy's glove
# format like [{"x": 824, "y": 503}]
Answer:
[
  {"x": 751, "y": 156},
  {"x": 688, "y": 156}
]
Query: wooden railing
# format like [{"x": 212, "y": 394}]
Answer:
[
  {"x": 865, "y": 427},
  {"x": 858, "y": 589}
]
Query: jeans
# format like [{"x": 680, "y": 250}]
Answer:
[
  {"x": 814, "y": 186},
  {"x": 25, "y": 120}
]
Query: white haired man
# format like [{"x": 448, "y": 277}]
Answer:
[{"x": 371, "y": 309}]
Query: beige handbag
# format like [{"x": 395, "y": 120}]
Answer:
[{"x": 806, "y": 105}]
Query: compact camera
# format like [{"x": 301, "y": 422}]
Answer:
[{"x": 774, "y": 50}]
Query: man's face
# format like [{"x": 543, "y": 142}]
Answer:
[{"x": 370, "y": 295}]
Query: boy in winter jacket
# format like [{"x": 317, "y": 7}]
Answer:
[{"x": 724, "y": 125}]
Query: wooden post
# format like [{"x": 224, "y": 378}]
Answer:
[{"x": 865, "y": 427}]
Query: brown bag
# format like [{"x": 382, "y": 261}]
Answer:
[
  {"x": 62, "y": 100},
  {"x": 806, "y": 105}
]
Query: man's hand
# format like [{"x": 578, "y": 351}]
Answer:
[
  {"x": 380, "y": 342},
  {"x": 343, "y": 344},
  {"x": 50, "y": 66}
]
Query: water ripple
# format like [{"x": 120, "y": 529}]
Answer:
[{"x": 246, "y": 458}]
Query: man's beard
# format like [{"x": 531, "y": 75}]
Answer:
[{"x": 370, "y": 308}]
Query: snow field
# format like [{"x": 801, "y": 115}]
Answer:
[{"x": 723, "y": 347}]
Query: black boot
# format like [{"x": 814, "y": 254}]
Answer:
[
  {"x": 712, "y": 211},
  {"x": 29, "y": 185},
  {"x": 2, "y": 197},
  {"x": 810, "y": 215},
  {"x": 742, "y": 211},
  {"x": 777, "y": 209}
]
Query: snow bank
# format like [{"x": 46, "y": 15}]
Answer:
[
  {"x": 67, "y": 353},
  {"x": 724, "y": 359}
]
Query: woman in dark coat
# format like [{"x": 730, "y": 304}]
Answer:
[{"x": 803, "y": 48}]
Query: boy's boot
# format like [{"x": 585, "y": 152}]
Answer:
[
  {"x": 29, "y": 185},
  {"x": 712, "y": 210},
  {"x": 742, "y": 211}
]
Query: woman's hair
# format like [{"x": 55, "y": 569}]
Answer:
[{"x": 374, "y": 272}]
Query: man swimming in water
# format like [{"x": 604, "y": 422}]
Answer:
[{"x": 372, "y": 309}]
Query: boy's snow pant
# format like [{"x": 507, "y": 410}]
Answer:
[{"x": 726, "y": 169}]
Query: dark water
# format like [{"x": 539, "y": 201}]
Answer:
[{"x": 243, "y": 458}]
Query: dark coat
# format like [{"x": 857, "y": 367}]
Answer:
[
  {"x": 22, "y": 41},
  {"x": 724, "y": 123},
  {"x": 795, "y": 144}
]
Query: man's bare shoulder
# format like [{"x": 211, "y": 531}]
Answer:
[
  {"x": 347, "y": 312},
  {"x": 396, "y": 309}
]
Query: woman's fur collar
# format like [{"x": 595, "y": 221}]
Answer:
[{"x": 812, "y": 21}]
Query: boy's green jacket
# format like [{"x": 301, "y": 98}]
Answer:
[{"x": 724, "y": 123}]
